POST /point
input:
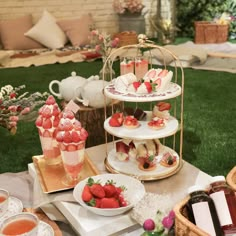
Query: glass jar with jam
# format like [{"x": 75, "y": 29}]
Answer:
[
  {"x": 202, "y": 211},
  {"x": 225, "y": 202}
]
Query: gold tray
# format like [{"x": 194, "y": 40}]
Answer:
[{"x": 50, "y": 176}]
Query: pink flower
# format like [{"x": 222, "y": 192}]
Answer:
[
  {"x": 94, "y": 32},
  {"x": 168, "y": 221},
  {"x": 97, "y": 48},
  {"x": 25, "y": 111},
  {"x": 12, "y": 108},
  {"x": 14, "y": 118}
]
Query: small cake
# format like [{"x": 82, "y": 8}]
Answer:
[
  {"x": 116, "y": 119},
  {"x": 162, "y": 110},
  {"x": 131, "y": 122},
  {"x": 125, "y": 151},
  {"x": 156, "y": 123},
  {"x": 168, "y": 160},
  {"x": 122, "y": 82}
]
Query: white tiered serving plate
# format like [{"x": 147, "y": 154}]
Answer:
[
  {"x": 130, "y": 167},
  {"x": 173, "y": 91},
  {"x": 143, "y": 131}
]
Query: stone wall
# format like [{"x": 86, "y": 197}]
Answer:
[{"x": 105, "y": 17}]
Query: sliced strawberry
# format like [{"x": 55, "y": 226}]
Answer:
[
  {"x": 71, "y": 148},
  {"x": 109, "y": 203},
  {"x": 151, "y": 74},
  {"x": 86, "y": 194},
  {"x": 46, "y": 134},
  {"x": 157, "y": 82},
  {"x": 50, "y": 100},
  {"x": 59, "y": 137},
  {"x": 148, "y": 86},
  {"x": 163, "y": 73},
  {"x": 47, "y": 123},
  {"x": 136, "y": 85}
]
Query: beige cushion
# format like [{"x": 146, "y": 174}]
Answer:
[
  {"x": 12, "y": 34},
  {"x": 77, "y": 30},
  {"x": 47, "y": 32}
]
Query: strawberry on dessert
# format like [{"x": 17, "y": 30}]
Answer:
[
  {"x": 71, "y": 137},
  {"x": 168, "y": 160},
  {"x": 134, "y": 86},
  {"x": 125, "y": 151},
  {"x": 145, "y": 87},
  {"x": 116, "y": 119},
  {"x": 161, "y": 110},
  {"x": 131, "y": 122},
  {"x": 47, "y": 122},
  {"x": 156, "y": 123},
  {"x": 160, "y": 77}
]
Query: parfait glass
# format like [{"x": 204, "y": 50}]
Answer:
[
  {"x": 73, "y": 161},
  {"x": 141, "y": 66},
  {"x": 126, "y": 65}
]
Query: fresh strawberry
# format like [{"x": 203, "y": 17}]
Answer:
[
  {"x": 136, "y": 85},
  {"x": 50, "y": 100},
  {"x": 97, "y": 202},
  {"x": 75, "y": 137},
  {"x": 67, "y": 125},
  {"x": 62, "y": 146},
  {"x": 77, "y": 125},
  {"x": 83, "y": 134},
  {"x": 110, "y": 189},
  {"x": 59, "y": 137},
  {"x": 119, "y": 116},
  {"x": 97, "y": 190},
  {"x": 122, "y": 201},
  {"x": 56, "y": 121},
  {"x": 46, "y": 112},
  {"x": 164, "y": 106},
  {"x": 114, "y": 122},
  {"x": 47, "y": 123},
  {"x": 157, "y": 82},
  {"x": 109, "y": 203},
  {"x": 86, "y": 194},
  {"x": 67, "y": 137},
  {"x": 151, "y": 74},
  {"x": 55, "y": 110},
  {"x": 39, "y": 121},
  {"x": 68, "y": 114},
  {"x": 71, "y": 148}
]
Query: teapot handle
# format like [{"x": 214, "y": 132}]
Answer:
[{"x": 51, "y": 89}]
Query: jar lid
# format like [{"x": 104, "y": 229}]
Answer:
[
  {"x": 195, "y": 188},
  {"x": 218, "y": 178}
]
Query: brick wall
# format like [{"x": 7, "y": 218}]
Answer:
[{"x": 102, "y": 10}]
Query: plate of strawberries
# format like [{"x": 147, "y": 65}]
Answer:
[{"x": 109, "y": 194}]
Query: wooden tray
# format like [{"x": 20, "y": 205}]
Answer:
[{"x": 50, "y": 176}]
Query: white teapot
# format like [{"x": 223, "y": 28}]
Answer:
[
  {"x": 69, "y": 88},
  {"x": 92, "y": 94}
]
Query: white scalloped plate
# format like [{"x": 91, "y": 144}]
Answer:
[
  {"x": 173, "y": 91},
  {"x": 45, "y": 229},
  {"x": 131, "y": 167},
  {"x": 143, "y": 131}
]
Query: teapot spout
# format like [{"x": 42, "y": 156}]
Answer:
[{"x": 85, "y": 102}]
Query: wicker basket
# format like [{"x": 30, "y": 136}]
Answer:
[
  {"x": 127, "y": 38},
  {"x": 183, "y": 227},
  {"x": 231, "y": 178},
  {"x": 208, "y": 32}
]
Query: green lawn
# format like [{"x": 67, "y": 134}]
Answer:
[{"x": 209, "y": 116}]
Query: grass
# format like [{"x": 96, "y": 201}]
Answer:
[{"x": 209, "y": 113}]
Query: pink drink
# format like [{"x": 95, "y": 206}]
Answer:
[
  {"x": 73, "y": 160},
  {"x": 126, "y": 66},
  {"x": 141, "y": 67}
]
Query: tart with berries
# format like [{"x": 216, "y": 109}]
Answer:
[
  {"x": 168, "y": 160},
  {"x": 131, "y": 122},
  {"x": 147, "y": 163},
  {"x": 156, "y": 123}
]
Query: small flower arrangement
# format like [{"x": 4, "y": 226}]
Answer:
[
  {"x": 15, "y": 106},
  {"x": 128, "y": 6},
  {"x": 103, "y": 42},
  {"x": 224, "y": 19},
  {"x": 160, "y": 226}
]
